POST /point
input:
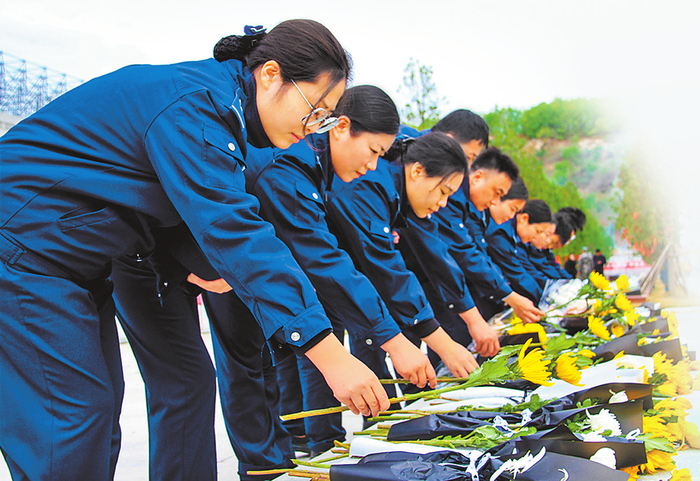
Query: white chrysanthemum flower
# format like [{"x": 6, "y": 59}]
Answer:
[
  {"x": 618, "y": 397},
  {"x": 606, "y": 457},
  {"x": 604, "y": 421}
]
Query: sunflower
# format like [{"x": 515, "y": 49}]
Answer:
[
  {"x": 599, "y": 281},
  {"x": 658, "y": 461},
  {"x": 631, "y": 318},
  {"x": 622, "y": 283},
  {"x": 567, "y": 370},
  {"x": 533, "y": 366},
  {"x": 596, "y": 326},
  {"x": 681, "y": 475},
  {"x": 623, "y": 303},
  {"x": 617, "y": 330},
  {"x": 532, "y": 327}
]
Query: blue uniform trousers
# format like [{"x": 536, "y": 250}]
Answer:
[
  {"x": 61, "y": 384},
  {"x": 176, "y": 369},
  {"x": 247, "y": 387}
]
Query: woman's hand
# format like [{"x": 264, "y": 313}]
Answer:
[
  {"x": 218, "y": 286},
  {"x": 409, "y": 361},
  {"x": 485, "y": 337},
  {"x": 523, "y": 307},
  {"x": 352, "y": 383},
  {"x": 456, "y": 357}
]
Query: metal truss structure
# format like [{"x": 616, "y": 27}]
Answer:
[{"x": 25, "y": 87}]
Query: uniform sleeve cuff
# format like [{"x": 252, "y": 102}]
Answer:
[{"x": 423, "y": 328}]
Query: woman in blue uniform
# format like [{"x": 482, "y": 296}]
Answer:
[
  {"x": 363, "y": 215},
  {"x": 506, "y": 246},
  {"x": 292, "y": 189},
  {"x": 444, "y": 260},
  {"x": 89, "y": 177}
]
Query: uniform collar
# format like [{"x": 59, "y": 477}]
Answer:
[
  {"x": 256, "y": 133},
  {"x": 398, "y": 174}
]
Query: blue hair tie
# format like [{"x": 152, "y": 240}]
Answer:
[{"x": 253, "y": 30}]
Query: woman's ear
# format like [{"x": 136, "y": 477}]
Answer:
[
  {"x": 269, "y": 73},
  {"x": 343, "y": 127},
  {"x": 417, "y": 170}
]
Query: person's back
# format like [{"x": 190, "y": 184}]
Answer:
[{"x": 585, "y": 265}]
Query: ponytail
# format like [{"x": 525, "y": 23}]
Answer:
[
  {"x": 369, "y": 109},
  {"x": 304, "y": 50},
  {"x": 438, "y": 153}
]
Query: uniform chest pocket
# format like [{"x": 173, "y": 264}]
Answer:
[
  {"x": 309, "y": 205},
  {"x": 380, "y": 231},
  {"x": 223, "y": 160}
]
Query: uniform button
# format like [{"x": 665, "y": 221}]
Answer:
[
  {"x": 430, "y": 216},
  {"x": 386, "y": 230},
  {"x": 451, "y": 306},
  {"x": 279, "y": 346},
  {"x": 491, "y": 297},
  {"x": 243, "y": 168},
  {"x": 415, "y": 321},
  {"x": 315, "y": 196},
  {"x": 165, "y": 284},
  {"x": 483, "y": 241},
  {"x": 368, "y": 342},
  {"x": 231, "y": 146},
  {"x": 295, "y": 336},
  {"x": 461, "y": 225}
]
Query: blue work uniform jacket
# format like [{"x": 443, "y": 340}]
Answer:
[
  {"x": 543, "y": 260},
  {"x": 508, "y": 251},
  {"x": 93, "y": 174},
  {"x": 293, "y": 186},
  {"x": 363, "y": 215},
  {"x": 428, "y": 255}
]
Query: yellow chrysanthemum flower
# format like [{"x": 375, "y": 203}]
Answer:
[
  {"x": 645, "y": 376},
  {"x": 681, "y": 475},
  {"x": 596, "y": 326},
  {"x": 533, "y": 366},
  {"x": 516, "y": 320},
  {"x": 567, "y": 370},
  {"x": 622, "y": 303},
  {"x": 532, "y": 327},
  {"x": 617, "y": 330},
  {"x": 618, "y": 355},
  {"x": 599, "y": 281},
  {"x": 586, "y": 353},
  {"x": 622, "y": 283}
]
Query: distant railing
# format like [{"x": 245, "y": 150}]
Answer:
[{"x": 26, "y": 87}]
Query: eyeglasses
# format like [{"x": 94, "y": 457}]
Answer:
[{"x": 318, "y": 116}]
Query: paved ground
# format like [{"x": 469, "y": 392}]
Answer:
[{"x": 133, "y": 461}]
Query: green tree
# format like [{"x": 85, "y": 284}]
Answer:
[
  {"x": 422, "y": 110},
  {"x": 506, "y": 129},
  {"x": 645, "y": 220}
]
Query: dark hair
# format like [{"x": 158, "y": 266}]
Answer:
[
  {"x": 538, "y": 211},
  {"x": 494, "y": 159},
  {"x": 518, "y": 190},
  {"x": 564, "y": 227},
  {"x": 465, "y": 126},
  {"x": 304, "y": 49},
  {"x": 369, "y": 109},
  {"x": 576, "y": 217},
  {"x": 438, "y": 153}
]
